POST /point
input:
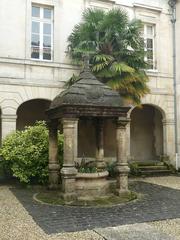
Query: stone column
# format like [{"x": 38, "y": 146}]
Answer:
[
  {"x": 68, "y": 172},
  {"x": 169, "y": 139},
  {"x": 8, "y": 123},
  {"x": 53, "y": 155},
  {"x": 100, "y": 144},
  {"x": 122, "y": 168},
  {"x": 128, "y": 141}
]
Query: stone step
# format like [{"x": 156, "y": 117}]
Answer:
[
  {"x": 149, "y": 163},
  {"x": 144, "y": 168},
  {"x": 156, "y": 172},
  {"x": 152, "y": 168}
]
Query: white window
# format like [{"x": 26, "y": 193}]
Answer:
[
  {"x": 42, "y": 33},
  {"x": 149, "y": 40}
]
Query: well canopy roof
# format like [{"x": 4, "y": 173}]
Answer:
[
  {"x": 88, "y": 97},
  {"x": 88, "y": 91}
]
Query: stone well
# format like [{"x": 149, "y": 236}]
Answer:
[
  {"x": 92, "y": 185},
  {"x": 86, "y": 99}
]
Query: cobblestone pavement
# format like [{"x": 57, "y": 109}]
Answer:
[
  {"x": 158, "y": 203},
  {"x": 23, "y": 219}
]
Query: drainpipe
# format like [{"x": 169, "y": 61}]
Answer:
[{"x": 172, "y": 5}]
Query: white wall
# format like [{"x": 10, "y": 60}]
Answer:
[{"x": 22, "y": 79}]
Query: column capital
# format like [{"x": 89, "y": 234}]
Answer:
[
  {"x": 53, "y": 124},
  {"x": 9, "y": 117},
  {"x": 70, "y": 119},
  {"x": 168, "y": 121},
  {"x": 122, "y": 122},
  {"x": 69, "y": 122}
]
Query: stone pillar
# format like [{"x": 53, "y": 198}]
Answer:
[
  {"x": 122, "y": 168},
  {"x": 53, "y": 155},
  {"x": 8, "y": 123},
  {"x": 68, "y": 172},
  {"x": 100, "y": 144},
  {"x": 169, "y": 139},
  {"x": 128, "y": 141}
]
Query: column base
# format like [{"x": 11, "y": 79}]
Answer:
[
  {"x": 53, "y": 176},
  {"x": 121, "y": 192},
  {"x": 122, "y": 178},
  {"x": 68, "y": 174},
  {"x": 53, "y": 186},
  {"x": 101, "y": 165},
  {"x": 68, "y": 197}
]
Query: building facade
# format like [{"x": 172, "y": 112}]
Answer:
[{"x": 34, "y": 67}]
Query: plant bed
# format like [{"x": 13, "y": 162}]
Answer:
[{"x": 53, "y": 197}]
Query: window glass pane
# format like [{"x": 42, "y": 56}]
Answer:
[
  {"x": 35, "y": 27},
  {"x": 150, "y": 30},
  {"x": 47, "y": 41},
  {"x": 35, "y": 39},
  {"x": 149, "y": 54},
  {"x": 46, "y": 28},
  {"x": 35, "y": 11},
  {"x": 150, "y": 63},
  {"x": 35, "y": 52},
  {"x": 149, "y": 43},
  {"x": 47, "y": 53},
  {"x": 47, "y": 13}
]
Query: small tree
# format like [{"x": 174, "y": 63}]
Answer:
[
  {"x": 25, "y": 153},
  {"x": 116, "y": 51}
]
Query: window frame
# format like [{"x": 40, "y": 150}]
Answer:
[
  {"x": 147, "y": 36},
  {"x": 41, "y": 20}
]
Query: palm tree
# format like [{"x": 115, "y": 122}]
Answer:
[{"x": 115, "y": 48}]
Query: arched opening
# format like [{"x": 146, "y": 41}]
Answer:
[
  {"x": 87, "y": 138},
  {"x": 31, "y": 111},
  {"x": 146, "y": 134}
]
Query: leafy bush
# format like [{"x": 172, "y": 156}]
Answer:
[
  {"x": 25, "y": 153},
  {"x": 134, "y": 169},
  {"x": 86, "y": 167},
  {"x": 111, "y": 169}
]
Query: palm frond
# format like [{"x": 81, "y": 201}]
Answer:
[
  {"x": 120, "y": 67},
  {"x": 99, "y": 66},
  {"x": 116, "y": 50},
  {"x": 102, "y": 58}
]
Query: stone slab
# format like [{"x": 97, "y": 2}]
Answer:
[{"x": 133, "y": 232}]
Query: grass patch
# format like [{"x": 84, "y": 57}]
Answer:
[{"x": 54, "y": 198}]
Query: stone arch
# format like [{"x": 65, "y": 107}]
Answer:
[
  {"x": 146, "y": 133},
  {"x": 29, "y": 93},
  {"x": 31, "y": 111},
  {"x": 155, "y": 101}
]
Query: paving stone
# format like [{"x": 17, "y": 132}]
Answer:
[
  {"x": 158, "y": 203},
  {"x": 133, "y": 232}
]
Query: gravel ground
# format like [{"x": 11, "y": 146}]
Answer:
[
  {"x": 167, "y": 181},
  {"x": 17, "y": 224}
]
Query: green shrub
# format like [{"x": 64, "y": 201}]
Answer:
[
  {"x": 134, "y": 169},
  {"x": 86, "y": 167},
  {"x": 25, "y": 153},
  {"x": 111, "y": 169}
]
